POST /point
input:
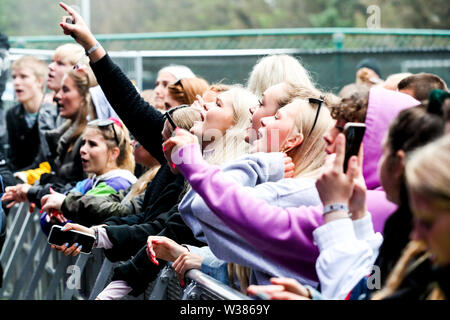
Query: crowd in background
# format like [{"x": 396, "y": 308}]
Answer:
[{"x": 248, "y": 183}]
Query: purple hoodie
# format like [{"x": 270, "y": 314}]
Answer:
[
  {"x": 384, "y": 105},
  {"x": 290, "y": 240}
]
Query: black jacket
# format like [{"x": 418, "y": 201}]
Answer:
[
  {"x": 160, "y": 217},
  {"x": 128, "y": 239},
  {"x": 23, "y": 141}
]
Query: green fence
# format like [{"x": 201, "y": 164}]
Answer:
[{"x": 331, "y": 54}]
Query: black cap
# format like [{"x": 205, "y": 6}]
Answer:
[{"x": 371, "y": 64}]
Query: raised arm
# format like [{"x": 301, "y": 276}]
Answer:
[{"x": 143, "y": 121}]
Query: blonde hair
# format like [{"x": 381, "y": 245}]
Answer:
[
  {"x": 38, "y": 67},
  {"x": 125, "y": 160},
  {"x": 86, "y": 111},
  {"x": 149, "y": 96},
  {"x": 73, "y": 54},
  {"x": 241, "y": 273},
  {"x": 309, "y": 156},
  {"x": 273, "y": 69},
  {"x": 232, "y": 145},
  {"x": 412, "y": 256},
  {"x": 184, "y": 118},
  {"x": 430, "y": 178}
]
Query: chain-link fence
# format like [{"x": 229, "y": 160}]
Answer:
[{"x": 330, "y": 54}]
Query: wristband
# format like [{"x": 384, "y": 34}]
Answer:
[
  {"x": 335, "y": 207},
  {"x": 95, "y": 47}
]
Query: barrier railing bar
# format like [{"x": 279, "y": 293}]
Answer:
[
  {"x": 37, "y": 274},
  {"x": 18, "y": 213},
  {"x": 60, "y": 270},
  {"x": 39, "y": 238},
  {"x": 159, "y": 291},
  {"x": 17, "y": 246},
  {"x": 215, "y": 286},
  {"x": 102, "y": 278},
  {"x": 81, "y": 263}
]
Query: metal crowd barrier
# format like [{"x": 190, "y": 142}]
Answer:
[{"x": 33, "y": 271}]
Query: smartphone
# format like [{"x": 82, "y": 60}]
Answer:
[
  {"x": 354, "y": 133},
  {"x": 59, "y": 238}
]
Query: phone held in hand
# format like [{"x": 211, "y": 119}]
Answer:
[
  {"x": 59, "y": 238},
  {"x": 354, "y": 133}
]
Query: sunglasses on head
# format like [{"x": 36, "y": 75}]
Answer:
[
  {"x": 319, "y": 102},
  {"x": 168, "y": 113},
  {"x": 103, "y": 123}
]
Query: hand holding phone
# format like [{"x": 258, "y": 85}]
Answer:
[
  {"x": 59, "y": 237},
  {"x": 354, "y": 133}
]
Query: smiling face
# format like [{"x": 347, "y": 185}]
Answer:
[
  {"x": 56, "y": 70},
  {"x": 164, "y": 79},
  {"x": 278, "y": 132},
  {"x": 26, "y": 85},
  {"x": 95, "y": 155},
  {"x": 70, "y": 100},
  {"x": 266, "y": 107}
]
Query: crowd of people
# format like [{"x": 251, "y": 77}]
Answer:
[{"x": 248, "y": 183}]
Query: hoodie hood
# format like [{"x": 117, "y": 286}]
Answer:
[
  {"x": 126, "y": 174},
  {"x": 384, "y": 106}
]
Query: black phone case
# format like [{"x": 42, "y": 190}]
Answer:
[{"x": 59, "y": 238}]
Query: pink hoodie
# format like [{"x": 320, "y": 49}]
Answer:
[{"x": 384, "y": 105}]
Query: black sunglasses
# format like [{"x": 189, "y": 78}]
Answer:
[
  {"x": 168, "y": 113},
  {"x": 319, "y": 102},
  {"x": 102, "y": 123}
]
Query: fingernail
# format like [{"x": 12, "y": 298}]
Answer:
[
  {"x": 76, "y": 244},
  {"x": 81, "y": 247},
  {"x": 173, "y": 165},
  {"x": 164, "y": 148},
  {"x": 42, "y": 211},
  {"x": 63, "y": 228},
  {"x": 66, "y": 244}
]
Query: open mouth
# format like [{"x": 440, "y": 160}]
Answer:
[{"x": 18, "y": 91}]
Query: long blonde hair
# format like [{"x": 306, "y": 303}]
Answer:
[
  {"x": 232, "y": 145},
  {"x": 309, "y": 156}
]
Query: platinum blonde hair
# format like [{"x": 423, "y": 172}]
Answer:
[
  {"x": 274, "y": 69},
  {"x": 232, "y": 145},
  {"x": 309, "y": 156}
]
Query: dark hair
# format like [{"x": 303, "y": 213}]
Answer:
[
  {"x": 353, "y": 106},
  {"x": 411, "y": 129},
  {"x": 422, "y": 84}
]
